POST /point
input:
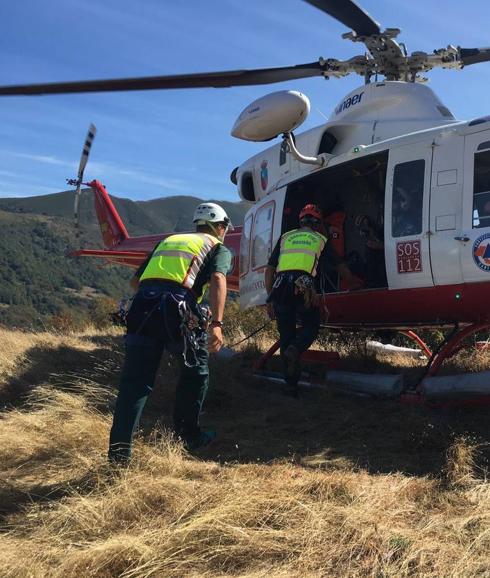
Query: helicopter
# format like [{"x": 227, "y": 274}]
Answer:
[{"x": 404, "y": 186}]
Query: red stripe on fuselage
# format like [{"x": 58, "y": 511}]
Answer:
[{"x": 424, "y": 306}]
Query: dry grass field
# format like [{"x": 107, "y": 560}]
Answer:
[{"x": 326, "y": 485}]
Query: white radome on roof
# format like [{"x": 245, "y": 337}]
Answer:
[{"x": 272, "y": 115}]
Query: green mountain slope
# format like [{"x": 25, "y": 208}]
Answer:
[
  {"x": 38, "y": 282},
  {"x": 37, "y": 278},
  {"x": 140, "y": 217}
]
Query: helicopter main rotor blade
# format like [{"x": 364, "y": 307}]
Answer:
[
  {"x": 474, "y": 55},
  {"x": 350, "y": 14},
  {"x": 199, "y": 80}
]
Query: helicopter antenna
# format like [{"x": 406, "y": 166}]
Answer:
[
  {"x": 92, "y": 130},
  {"x": 321, "y": 113}
]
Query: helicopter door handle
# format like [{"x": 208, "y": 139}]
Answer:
[{"x": 462, "y": 238}]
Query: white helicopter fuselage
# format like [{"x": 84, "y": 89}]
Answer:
[
  {"x": 367, "y": 115},
  {"x": 383, "y": 142}
]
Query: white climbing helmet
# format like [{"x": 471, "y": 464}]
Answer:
[{"x": 211, "y": 213}]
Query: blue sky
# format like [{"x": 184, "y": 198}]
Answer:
[{"x": 159, "y": 143}]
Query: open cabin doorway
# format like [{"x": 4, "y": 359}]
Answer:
[{"x": 352, "y": 198}]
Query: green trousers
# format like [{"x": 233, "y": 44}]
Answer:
[{"x": 143, "y": 355}]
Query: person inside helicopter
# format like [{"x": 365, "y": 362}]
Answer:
[
  {"x": 407, "y": 211},
  {"x": 334, "y": 271},
  {"x": 373, "y": 266}
]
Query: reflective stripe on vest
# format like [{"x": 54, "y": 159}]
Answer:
[
  {"x": 300, "y": 250},
  {"x": 179, "y": 258}
]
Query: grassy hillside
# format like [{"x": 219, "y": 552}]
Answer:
[
  {"x": 320, "y": 486},
  {"x": 38, "y": 281}
]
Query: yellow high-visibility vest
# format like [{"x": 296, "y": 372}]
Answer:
[
  {"x": 179, "y": 258},
  {"x": 300, "y": 250}
]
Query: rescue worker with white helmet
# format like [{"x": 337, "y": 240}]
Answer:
[{"x": 166, "y": 315}]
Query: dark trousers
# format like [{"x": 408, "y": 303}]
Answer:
[
  {"x": 143, "y": 355},
  {"x": 287, "y": 315}
]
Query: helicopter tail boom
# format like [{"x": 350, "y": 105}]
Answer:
[{"x": 111, "y": 225}]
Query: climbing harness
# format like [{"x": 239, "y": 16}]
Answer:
[
  {"x": 183, "y": 322},
  {"x": 119, "y": 316},
  {"x": 302, "y": 284},
  {"x": 305, "y": 286},
  {"x": 194, "y": 323}
]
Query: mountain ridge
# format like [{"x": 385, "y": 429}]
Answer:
[
  {"x": 39, "y": 282},
  {"x": 163, "y": 214}
]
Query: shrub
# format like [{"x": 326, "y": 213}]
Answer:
[{"x": 102, "y": 312}]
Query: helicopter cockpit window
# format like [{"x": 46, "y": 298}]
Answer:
[
  {"x": 481, "y": 189},
  {"x": 446, "y": 113},
  {"x": 327, "y": 144},
  {"x": 408, "y": 197},
  {"x": 262, "y": 236},
  {"x": 245, "y": 246}
]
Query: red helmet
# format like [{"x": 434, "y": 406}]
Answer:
[{"x": 311, "y": 211}]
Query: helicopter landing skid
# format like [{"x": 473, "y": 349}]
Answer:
[
  {"x": 419, "y": 341},
  {"x": 425, "y": 392}
]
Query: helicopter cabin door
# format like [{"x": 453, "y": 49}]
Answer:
[
  {"x": 261, "y": 229},
  {"x": 474, "y": 236},
  {"x": 407, "y": 216}
]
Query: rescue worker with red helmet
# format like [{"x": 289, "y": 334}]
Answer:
[
  {"x": 292, "y": 292},
  {"x": 166, "y": 314}
]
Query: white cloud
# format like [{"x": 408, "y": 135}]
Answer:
[
  {"x": 101, "y": 170},
  {"x": 107, "y": 170},
  {"x": 43, "y": 159}
]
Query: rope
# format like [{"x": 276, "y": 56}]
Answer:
[{"x": 251, "y": 335}]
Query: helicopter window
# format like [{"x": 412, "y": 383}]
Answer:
[
  {"x": 484, "y": 145},
  {"x": 407, "y": 200},
  {"x": 445, "y": 111},
  {"x": 480, "y": 120},
  {"x": 262, "y": 235},
  {"x": 247, "y": 187},
  {"x": 245, "y": 246},
  {"x": 481, "y": 189},
  {"x": 327, "y": 144}
]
